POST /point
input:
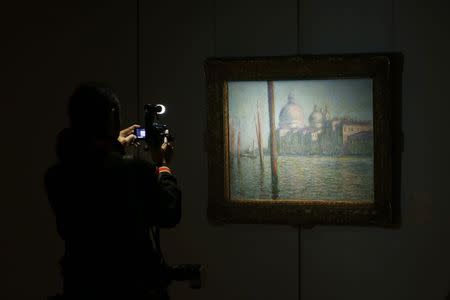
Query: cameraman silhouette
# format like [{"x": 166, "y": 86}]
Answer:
[{"x": 106, "y": 204}]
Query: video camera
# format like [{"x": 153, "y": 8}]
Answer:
[{"x": 154, "y": 132}]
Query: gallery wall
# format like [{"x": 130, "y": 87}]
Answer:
[{"x": 48, "y": 47}]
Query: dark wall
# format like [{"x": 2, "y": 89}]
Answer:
[
  {"x": 46, "y": 48},
  {"x": 49, "y": 46}
]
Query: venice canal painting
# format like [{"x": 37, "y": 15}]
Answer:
[{"x": 322, "y": 139}]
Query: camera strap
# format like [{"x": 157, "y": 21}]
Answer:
[{"x": 155, "y": 232}]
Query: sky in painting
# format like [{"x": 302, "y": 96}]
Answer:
[{"x": 343, "y": 97}]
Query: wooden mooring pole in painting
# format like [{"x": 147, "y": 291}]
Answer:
[
  {"x": 238, "y": 150},
  {"x": 259, "y": 137},
  {"x": 232, "y": 142},
  {"x": 272, "y": 140}
]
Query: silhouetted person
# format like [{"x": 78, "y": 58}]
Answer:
[{"x": 106, "y": 204}]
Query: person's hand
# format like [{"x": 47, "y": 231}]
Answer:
[
  {"x": 167, "y": 153},
  {"x": 126, "y": 136},
  {"x": 163, "y": 155}
]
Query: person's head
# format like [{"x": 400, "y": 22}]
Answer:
[{"x": 94, "y": 109}]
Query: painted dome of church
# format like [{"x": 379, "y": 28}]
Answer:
[
  {"x": 316, "y": 118},
  {"x": 291, "y": 115}
]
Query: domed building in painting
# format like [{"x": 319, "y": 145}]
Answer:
[
  {"x": 323, "y": 135},
  {"x": 291, "y": 118},
  {"x": 316, "y": 118}
]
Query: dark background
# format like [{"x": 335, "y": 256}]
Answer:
[{"x": 49, "y": 46}]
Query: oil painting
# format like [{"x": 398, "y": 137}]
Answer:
[
  {"x": 323, "y": 139},
  {"x": 304, "y": 140}
]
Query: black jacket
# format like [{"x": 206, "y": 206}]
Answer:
[{"x": 105, "y": 206}]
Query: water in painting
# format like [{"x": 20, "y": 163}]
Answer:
[{"x": 302, "y": 139}]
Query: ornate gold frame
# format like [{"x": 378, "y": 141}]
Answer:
[{"x": 383, "y": 68}]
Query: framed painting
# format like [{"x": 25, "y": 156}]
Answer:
[{"x": 302, "y": 140}]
